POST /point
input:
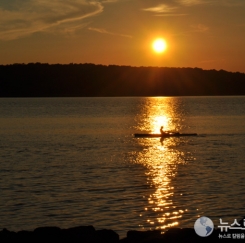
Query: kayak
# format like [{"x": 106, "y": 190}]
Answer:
[{"x": 155, "y": 135}]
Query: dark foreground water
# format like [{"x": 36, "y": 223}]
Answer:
[{"x": 73, "y": 161}]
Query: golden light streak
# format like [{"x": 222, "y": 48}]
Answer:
[{"x": 161, "y": 161}]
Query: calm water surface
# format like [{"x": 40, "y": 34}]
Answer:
[{"x": 73, "y": 161}]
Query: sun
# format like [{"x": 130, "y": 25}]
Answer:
[{"x": 159, "y": 45}]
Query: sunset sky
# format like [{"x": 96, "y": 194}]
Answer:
[{"x": 209, "y": 34}]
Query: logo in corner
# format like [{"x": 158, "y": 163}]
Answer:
[{"x": 204, "y": 226}]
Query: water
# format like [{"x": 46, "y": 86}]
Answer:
[{"x": 73, "y": 161}]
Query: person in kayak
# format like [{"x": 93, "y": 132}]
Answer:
[{"x": 161, "y": 131}]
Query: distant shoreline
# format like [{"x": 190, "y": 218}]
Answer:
[{"x": 90, "y": 80}]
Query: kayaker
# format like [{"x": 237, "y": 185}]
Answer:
[{"x": 161, "y": 130}]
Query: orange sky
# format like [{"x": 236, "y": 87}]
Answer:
[{"x": 209, "y": 34}]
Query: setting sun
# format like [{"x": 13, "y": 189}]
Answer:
[{"x": 159, "y": 45}]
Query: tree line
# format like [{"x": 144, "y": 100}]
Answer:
[{"x": 78, "y": 80}]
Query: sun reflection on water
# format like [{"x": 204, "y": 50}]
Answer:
[
  {"x": 159, "y": 121},
  {"x": 157, "y": 112},
  {"x": 161, "y": 158}
]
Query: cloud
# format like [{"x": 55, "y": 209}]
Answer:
[
  {"x": 162, "y": 8},
  {"x": 103, "y": 31},
  {"x": 27, "y": 17},
  {"x": 226, "y": 3},
  {"x": 191, "y": 2}
]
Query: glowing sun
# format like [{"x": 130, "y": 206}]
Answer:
[{"x": 159, "y": 45}]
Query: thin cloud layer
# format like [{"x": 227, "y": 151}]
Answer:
[
  {"x": 227, "y": 3},
  {"x": 178, "y": 7},
  {"x": 103, "y": 31},
  {"x": 191, "y": 2},
  {"x": 173, "y": 7},
  {"x": 162, "y": 8},
  {"x": 24, "y": 18}
]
